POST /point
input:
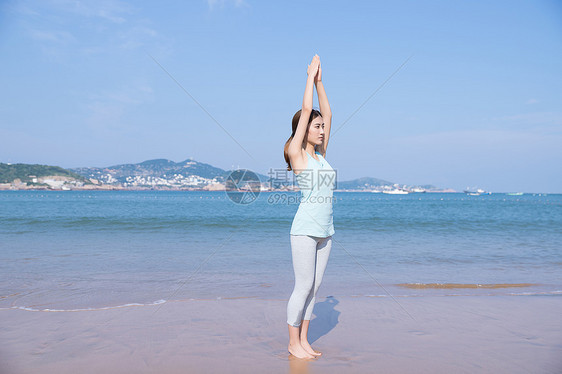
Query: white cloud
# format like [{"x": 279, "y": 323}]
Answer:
[
  {"x": 61, "y": 37},
  {"x": 22, "y": 9},
  {"x": 480, "y": 149},
  {"x": 126, "y": 95},
  {"x": 98, "y": 27},
  {"x": 108, "y": 109},
  {"x": 136, "y": 36},
  {"x": 214, "y": 4},
  {"x": 110, "y": 10},
  {"x": 532, "y": 119},
  {"x": 473, "y": 139}
]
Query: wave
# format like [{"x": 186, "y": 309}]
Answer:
[
  {"x": 464, "y": 285},
  {"x": 161, "y": 301},
  {"x": 31, "y": 309}
]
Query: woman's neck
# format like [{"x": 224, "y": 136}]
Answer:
[{"x": 310, "y": 149}]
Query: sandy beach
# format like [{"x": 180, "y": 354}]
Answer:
[
  {"x": 153, "y": 282},
  {"x": 438, "y": 334}
]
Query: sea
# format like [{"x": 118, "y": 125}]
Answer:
[{"x": 91, "y": 250}]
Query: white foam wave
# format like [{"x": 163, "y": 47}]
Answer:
[{"x": 30, "y": 309}]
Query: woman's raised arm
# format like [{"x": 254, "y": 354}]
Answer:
[
  {"x": 295, "y": 147},
  {"x": 324, "y": 110}
]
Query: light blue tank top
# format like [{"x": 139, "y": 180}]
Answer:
[{"x": 316, "y": 183}]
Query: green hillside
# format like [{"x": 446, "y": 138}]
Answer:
[{"x": 9, "y": 172}]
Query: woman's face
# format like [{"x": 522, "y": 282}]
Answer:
[{"x": 316, "y": 131}]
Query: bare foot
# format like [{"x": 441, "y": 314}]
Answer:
[
  {"x": 308, "y": 348},
  {"x": 298, "y": 351}
]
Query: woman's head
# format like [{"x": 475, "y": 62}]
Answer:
[{"x": 314, "y": 132}]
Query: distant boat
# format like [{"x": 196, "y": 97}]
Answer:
[
  {"x": 478, "y": 192},
  {"x": 395, "y": 192},
  {"x": 515, "y": 193}
]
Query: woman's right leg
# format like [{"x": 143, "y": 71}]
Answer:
[
  {"x": 323, "y": 249},
  {"x": 303, "y": 250},
  {"x": 322, "y": 254}
]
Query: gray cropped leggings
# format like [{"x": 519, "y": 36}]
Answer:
[{"x": 310, "y": 257}]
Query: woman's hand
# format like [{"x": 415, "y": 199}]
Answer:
[
  {"x": 318, "y": 77},
  {"x": 312, "y": 70}
]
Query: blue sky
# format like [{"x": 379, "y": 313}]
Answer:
[{"x": 479, "y": 102}]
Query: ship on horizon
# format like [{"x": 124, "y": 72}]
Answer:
[{"x": 476, "y": 192}]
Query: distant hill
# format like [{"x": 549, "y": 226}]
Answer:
[
  {"x": 366, "y": 183},
  {"x": 26, "y": 172},
  {"x": 162, "y": 173},
  {"x": 158, "y": 168},
  {"x": 369, "y": 184}
]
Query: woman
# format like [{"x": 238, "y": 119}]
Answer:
[{"x": 312, "y": 228}]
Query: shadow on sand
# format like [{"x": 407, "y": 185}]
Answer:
[{"x": 325, "y": 321}]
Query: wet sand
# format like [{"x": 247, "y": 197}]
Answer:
[{"x": 429, "y": 334}]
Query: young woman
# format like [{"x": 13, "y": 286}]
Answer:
[{"x": 312, "y": 228}]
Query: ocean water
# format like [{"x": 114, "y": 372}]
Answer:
[{"x": 74, "y": 250}]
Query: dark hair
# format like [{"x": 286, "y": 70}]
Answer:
[{"x": 315, "y": 113}]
